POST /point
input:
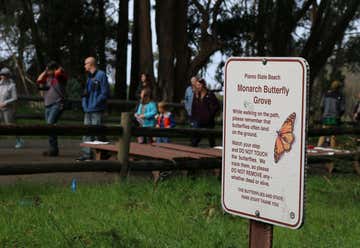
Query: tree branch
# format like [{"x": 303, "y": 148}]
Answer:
[
  {"x": 199, "y": 6},
  {"x": 204, "y": 16},
  {"x": 301, "y": 12},
  {"x": 216, "y": 8}
]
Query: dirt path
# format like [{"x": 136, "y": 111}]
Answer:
[{"x": 32, "y": 151}]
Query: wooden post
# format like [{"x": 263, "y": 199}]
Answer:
[
  {"x": 260, "y": 234},
  {"x": 124, "y": 144}
]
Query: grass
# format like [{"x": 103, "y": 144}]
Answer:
[{"x": 180, "y": 212}]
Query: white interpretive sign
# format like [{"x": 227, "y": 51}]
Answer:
[{"x": 264, "y": 139}]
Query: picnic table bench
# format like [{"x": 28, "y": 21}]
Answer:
[
  {"x": 160, "y": 151},
  {"x": 328, "y": 152},
  {"x": 173, "y": 152}
]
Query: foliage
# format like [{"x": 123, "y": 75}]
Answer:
[
  {"x": 189, "y": 34},
  {"x": 74, "y": 89}
]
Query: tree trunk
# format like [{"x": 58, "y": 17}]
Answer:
[
  {"x": 282, "y": 28},
  {"x": 262, "y": 19},
  {"x": 209, "y": 43},
  {"x": 182, "y": 51},
  {"x": 76, "y": 57},
  {"x": 324, "y": 35},
  {"x": 142, "y": 54},
  {"x": 208, "y": 46},
  {"x": 36, "y": 38},
  {"x": 121, "y": 50},
  {"x": 101, "y": 28},
  {"x": 165, "y": 39}
]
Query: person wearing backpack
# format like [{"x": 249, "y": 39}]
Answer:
[{"x": 333, "y": 107}]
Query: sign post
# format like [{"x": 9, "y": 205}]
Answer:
[{"x": 264, "y": 139}]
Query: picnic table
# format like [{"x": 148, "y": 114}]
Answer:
[
  {"x": 328, "y": 152},
  {"x": 173, "y": 152},
  {"x": 159, "y": 151}
]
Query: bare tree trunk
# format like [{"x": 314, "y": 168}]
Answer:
[
  {"x": 209, "y": 43},
  {"x": 281, "y": 30},
  {"x": 165, "y": 39},
  {"x": 182, "y": 51},
  {"x": 36, "y": 38},
  {"x": 121, "y": 50},
  {"x": 101, "y": 42},
  {"x": 76, "y": 46},
  {"x": 142, "y": 54},
  {"x": 324, "y": 34}
]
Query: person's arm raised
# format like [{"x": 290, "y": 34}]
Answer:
[{"x": 42, "y": 78}]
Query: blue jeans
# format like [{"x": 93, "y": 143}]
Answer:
[
  {"x": 162, "y": 140},
  {"x": 52, "y": 115},
  {"x": 93, "y": 118}
]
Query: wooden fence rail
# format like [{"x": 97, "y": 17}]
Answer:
[
  {"x": 59, "y": 130},
  {"x": 124, "y": 132},
  {"x": 333, "y": 131},
  {"x": 80, "y": 118},
  {"x": 142, "y": 165},
  {"x": 123, "y": 104},
  {"x": 77, "y": 130}
]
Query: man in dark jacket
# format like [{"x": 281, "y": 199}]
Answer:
[
  {"x": 333, "y": 106},
  {"x": 53, "y": 82},
  {"x": 205, "y": 105},
  {"x": 94, "y": 100}
]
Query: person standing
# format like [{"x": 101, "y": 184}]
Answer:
[
  {"x": 189, "y": 96},
  {"x": 145, "y": 82},
  {"x": 145, "y": 113},
  {"x": 333, "y": 107},
  {"x": 53, "y": 82},
  {"x": 96, "y": 94},
  {"x": 165, "y": 119},
  {"x": 204, "y": 108},
  {"x": 8, "y": 97}
]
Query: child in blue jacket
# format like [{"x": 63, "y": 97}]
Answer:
[{"x": 145, "y": 113}]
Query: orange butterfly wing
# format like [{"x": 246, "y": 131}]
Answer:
[{"x": 285, "y": 137}]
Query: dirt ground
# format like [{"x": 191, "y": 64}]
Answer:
[
  {"x": 32, "y": 151},
  {"x": 69, "y": 151}
]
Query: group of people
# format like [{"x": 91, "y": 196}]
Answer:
[
  {"x": 52, "y": 85},
  {"x": 200, "y": 103},
  {"x": 52, "y": 82}
]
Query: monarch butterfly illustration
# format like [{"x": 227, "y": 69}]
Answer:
[{"x": 285, "y": 137}]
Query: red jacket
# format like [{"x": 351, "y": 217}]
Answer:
[
  {"x": 165, "y": 120},
  {"x": 59, "y": 77}
]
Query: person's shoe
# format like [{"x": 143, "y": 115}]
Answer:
[
  {"x": 50, "y": 153},
  {"x": 83, "y": 159},
  {"x": 19, "y": 144}
]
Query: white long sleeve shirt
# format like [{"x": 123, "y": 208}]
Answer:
[{"x": 8, "y": 93}]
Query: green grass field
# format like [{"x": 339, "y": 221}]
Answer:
[{"x": 179, "y": 212}]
